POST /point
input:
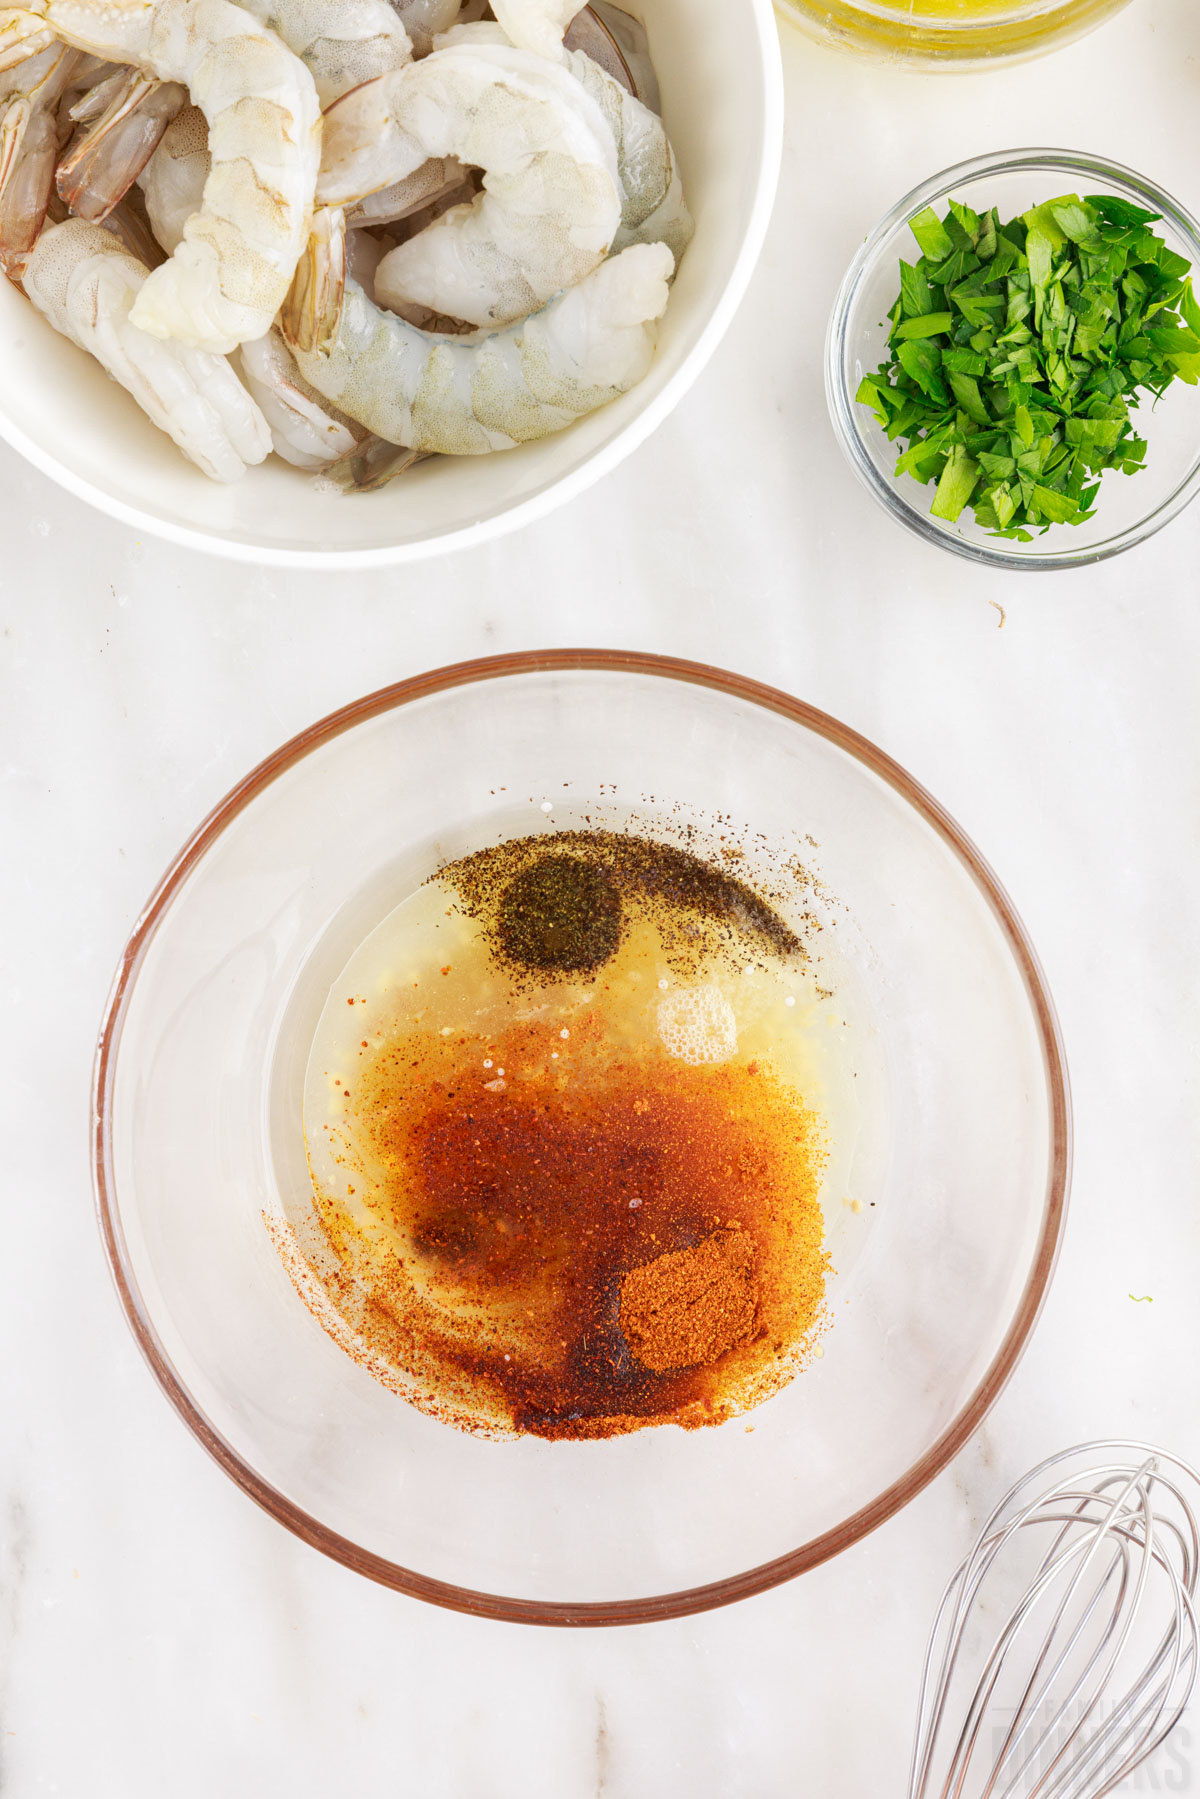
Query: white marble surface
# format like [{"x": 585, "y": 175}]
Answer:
[{"x": 157, "y": 1633}]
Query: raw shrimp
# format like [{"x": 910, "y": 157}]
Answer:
[
  {"x": 173, "y": 181},
  {"x": 440, "y": 175},
  {"x": 550, "y": 204},
  {"x": 29, "y": 95},
  {"x": 227, "y": 278},
  {"x": 465, "y": 396},
  {"x": 653, "y": 209},
  {"x": 306, "y": 430},
  {"x": 424, "y": 19},
  {"x": 537, "y": 25},
  {"x": 82, "y": 280},
  {"x": 342, "y": 43},
  {"x": 609, "y": 36},
  {"x": 110, "y": 153},
  {"x": 629, "y": 43}
]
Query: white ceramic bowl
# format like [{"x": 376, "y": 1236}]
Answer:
[{"x": 722, "y": 95}]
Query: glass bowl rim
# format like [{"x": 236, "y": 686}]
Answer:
[
  {"x": 843, "y": 408},
  {"x": 656, "y": 1607},
  {"x": 953, "y": 44}
]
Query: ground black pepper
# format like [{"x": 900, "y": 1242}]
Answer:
[
  {"x": 562, "y": 914},
  {"x": 558, "y": 904}
]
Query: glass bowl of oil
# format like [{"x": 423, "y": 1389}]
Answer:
[
  {"x": 580, "y": 1137},
  {"x": 947, "y": 34}
]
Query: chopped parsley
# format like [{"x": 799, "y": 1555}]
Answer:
[{"x": 1016, "y": 351}]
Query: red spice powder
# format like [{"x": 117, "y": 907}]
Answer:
[{"x": 579, "y": 1252}]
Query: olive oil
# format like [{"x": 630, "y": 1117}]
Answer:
[{"x": 948, "y": 31}]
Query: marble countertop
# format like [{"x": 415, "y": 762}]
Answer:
[{"x": 157, "y": 1632}]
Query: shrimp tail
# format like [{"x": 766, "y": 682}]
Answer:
[
  {"x": 306, "y": 430},
  {"x": 96, "y": 99},
  {"x": 22, "y": 35},
  {"x": 107, "y": 158},
  {"x": 373, "y": 465},
  {"x": 311, "y": 315},
  {"x": 28, "y": 147},
  {"x": 130, "y": 226}
]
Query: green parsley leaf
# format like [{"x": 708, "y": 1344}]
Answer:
[
  {"x": 956, "y": 484},
  {"x": 935, "y": 241},
  {"x": 916, "y": 295},
  {"x": 1017, "y": 352},
  {"x": 933, "y": 324}
]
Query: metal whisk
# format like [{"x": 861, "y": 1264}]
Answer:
[{"x": 1061, "y": 1692}]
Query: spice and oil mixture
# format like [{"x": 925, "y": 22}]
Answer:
[{"x": 562, "y": 1160}]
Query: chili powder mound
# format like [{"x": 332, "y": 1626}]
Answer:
[
  {"x": 580, "y": 1253},
  {"x": 688, "y": 1307}
]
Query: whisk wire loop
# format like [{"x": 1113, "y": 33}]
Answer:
[
  {"x": 1113, "y": 1636},
  {"x": 1092, "y": 1577}
]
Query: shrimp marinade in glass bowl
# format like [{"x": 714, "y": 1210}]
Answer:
[
  {"x": 313, "y": 992},
  {"x": 948, "y": 34}
]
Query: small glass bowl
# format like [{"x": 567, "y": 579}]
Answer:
[
  {"x": 948, "y": 34},
  {"x": 1130, "y": 508}
]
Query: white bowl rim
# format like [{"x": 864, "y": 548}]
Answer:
[
  {"x": 742, "y": 1584},
  {"x": 762, "y": 24}
]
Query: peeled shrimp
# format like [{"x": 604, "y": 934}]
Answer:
[
  {"x": 652, "y": 195},
  {"x": 440, "y": 175},
  {"x": 550, "y": 205},
  {"x": 174, "y": 179},
  {"x": 424, "y": 19},
  {"x": 653, "y": 209},
  {"x": 536, "y": 25},
  {"x": 306, "y": 430},
  {"x": 465, "y": 396},
  {"x": 29, "y": 95},
  {"x": 652, "y": 204},
  {"x": 110, "y": 153},
  {"x": 228, "y": 276},
  {"x": 627, "y": 42},
  {"x": 342, "y": 43},
  {"x": 82, "y": 280}
]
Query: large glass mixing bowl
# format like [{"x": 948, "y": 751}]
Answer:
[
  {"x": 948, "y": 34},
  {"x": 951, "y": 1154}
]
